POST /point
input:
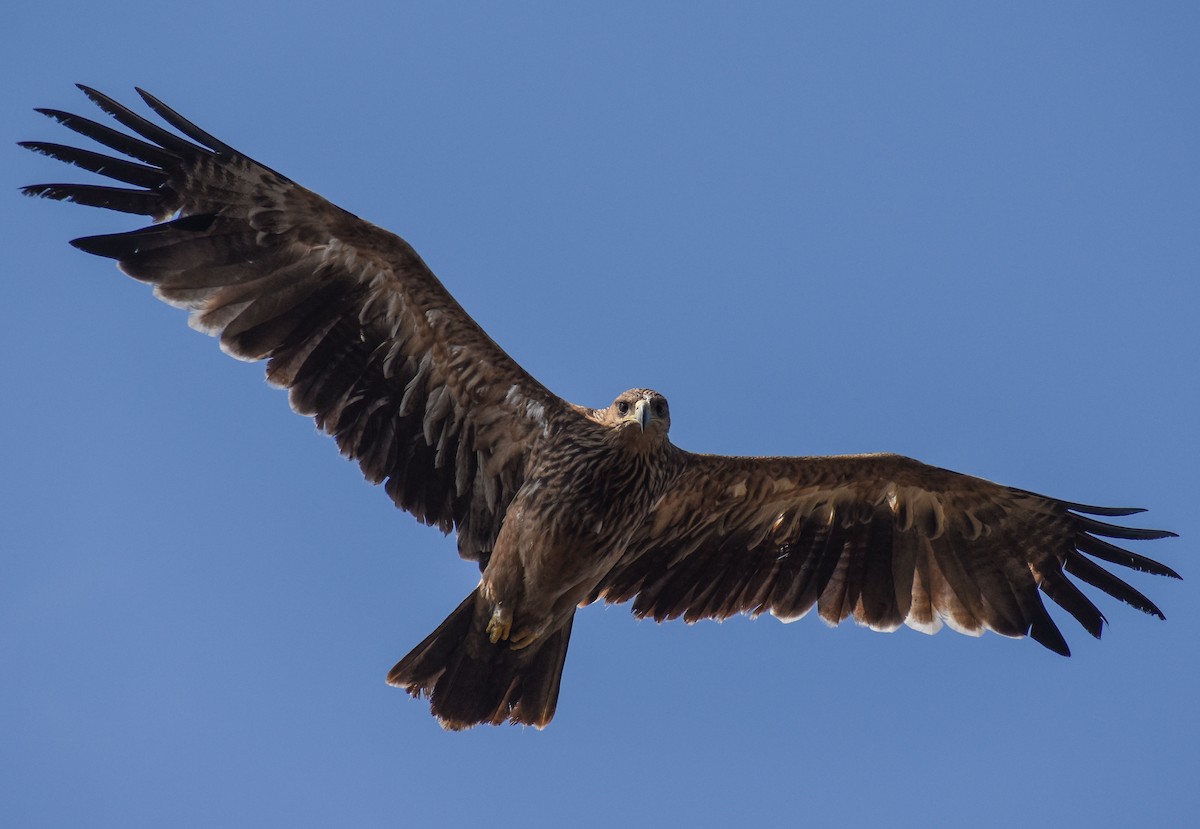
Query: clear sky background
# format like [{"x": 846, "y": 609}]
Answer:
[{"x": 965, "y": 232}]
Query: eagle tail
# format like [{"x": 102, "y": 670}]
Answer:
[{"x": 469, "y": 680}]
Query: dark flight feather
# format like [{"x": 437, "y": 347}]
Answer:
[{"x": 126, "y": 171}]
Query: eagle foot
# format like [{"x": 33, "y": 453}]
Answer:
[
  {"x": 523, "y": 637},
  {"x": 500, "y": 625}
]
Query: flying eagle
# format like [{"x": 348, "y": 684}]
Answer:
[{"x": 561, "y": 505}]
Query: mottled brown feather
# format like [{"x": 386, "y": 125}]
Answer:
[
  {"x": 880, "y": 538},
  {"x": 347, "y": 316}
]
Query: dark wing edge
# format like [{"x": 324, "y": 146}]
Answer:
[
  {"x": 882, "y": 539},
  {"x": 348, "y": 317}
]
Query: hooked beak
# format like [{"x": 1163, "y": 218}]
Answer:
[{"x": 641, "y": 414}]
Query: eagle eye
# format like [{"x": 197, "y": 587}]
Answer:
[
  {"x": 660, "y": 409},
  {"x": 623, "y": 407}
]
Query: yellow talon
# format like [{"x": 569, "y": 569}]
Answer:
[{"x": 500, "y": 625}]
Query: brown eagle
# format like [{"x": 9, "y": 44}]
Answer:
[{"x": 560, "y": 505}]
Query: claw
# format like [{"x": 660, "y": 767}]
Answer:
[{"x": 500, "y": 625}]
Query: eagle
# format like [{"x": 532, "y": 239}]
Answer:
[{"x": 560, "y": 505}]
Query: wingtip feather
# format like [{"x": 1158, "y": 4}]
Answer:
[
  {"x": 96, "y": 245},
  {"x": 92, "y": 94},
  {"x": 1091, "y": 509}
]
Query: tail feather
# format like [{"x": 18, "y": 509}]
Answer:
[{"x": 469, "y": 680}]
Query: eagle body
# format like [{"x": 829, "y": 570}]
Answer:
[
  {"x": 559, "y": 504},
  {"x": 587, "y": 491}
]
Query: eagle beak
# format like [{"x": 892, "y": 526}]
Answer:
[{"x": 641, "y": 414}]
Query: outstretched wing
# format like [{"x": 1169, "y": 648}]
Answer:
[
  {"x": 349, "y": 318},
  {"x": 882, "y": 538}
]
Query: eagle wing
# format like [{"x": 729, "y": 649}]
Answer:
[
  {"x": 348, "y": 317},
  {"x": 881, "y": 538}
]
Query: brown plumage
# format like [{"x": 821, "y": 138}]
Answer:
[{"x": 559, "y": 504}]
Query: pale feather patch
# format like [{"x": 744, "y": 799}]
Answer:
[
  {"x": 788, "y": 618},
  {"x": 198, "y": 321},
  {"x": 921, "y": 615},
  {"x": 892, "y": 497},
  {"x": 879, "y": 628},
  {"x": 916, "y": 508},
  {"x": 536, "y": 411},
  {"x": 972, "y": 527},
  {"x": 958, "y": 627},
  {"x": 927, "y": 627},
  {"x": 271, "y": 219}
]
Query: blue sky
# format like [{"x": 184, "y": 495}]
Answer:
[{"x": 962, "y": 232}]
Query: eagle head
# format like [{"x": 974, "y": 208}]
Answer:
[{"x": 639, "y": 414}]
